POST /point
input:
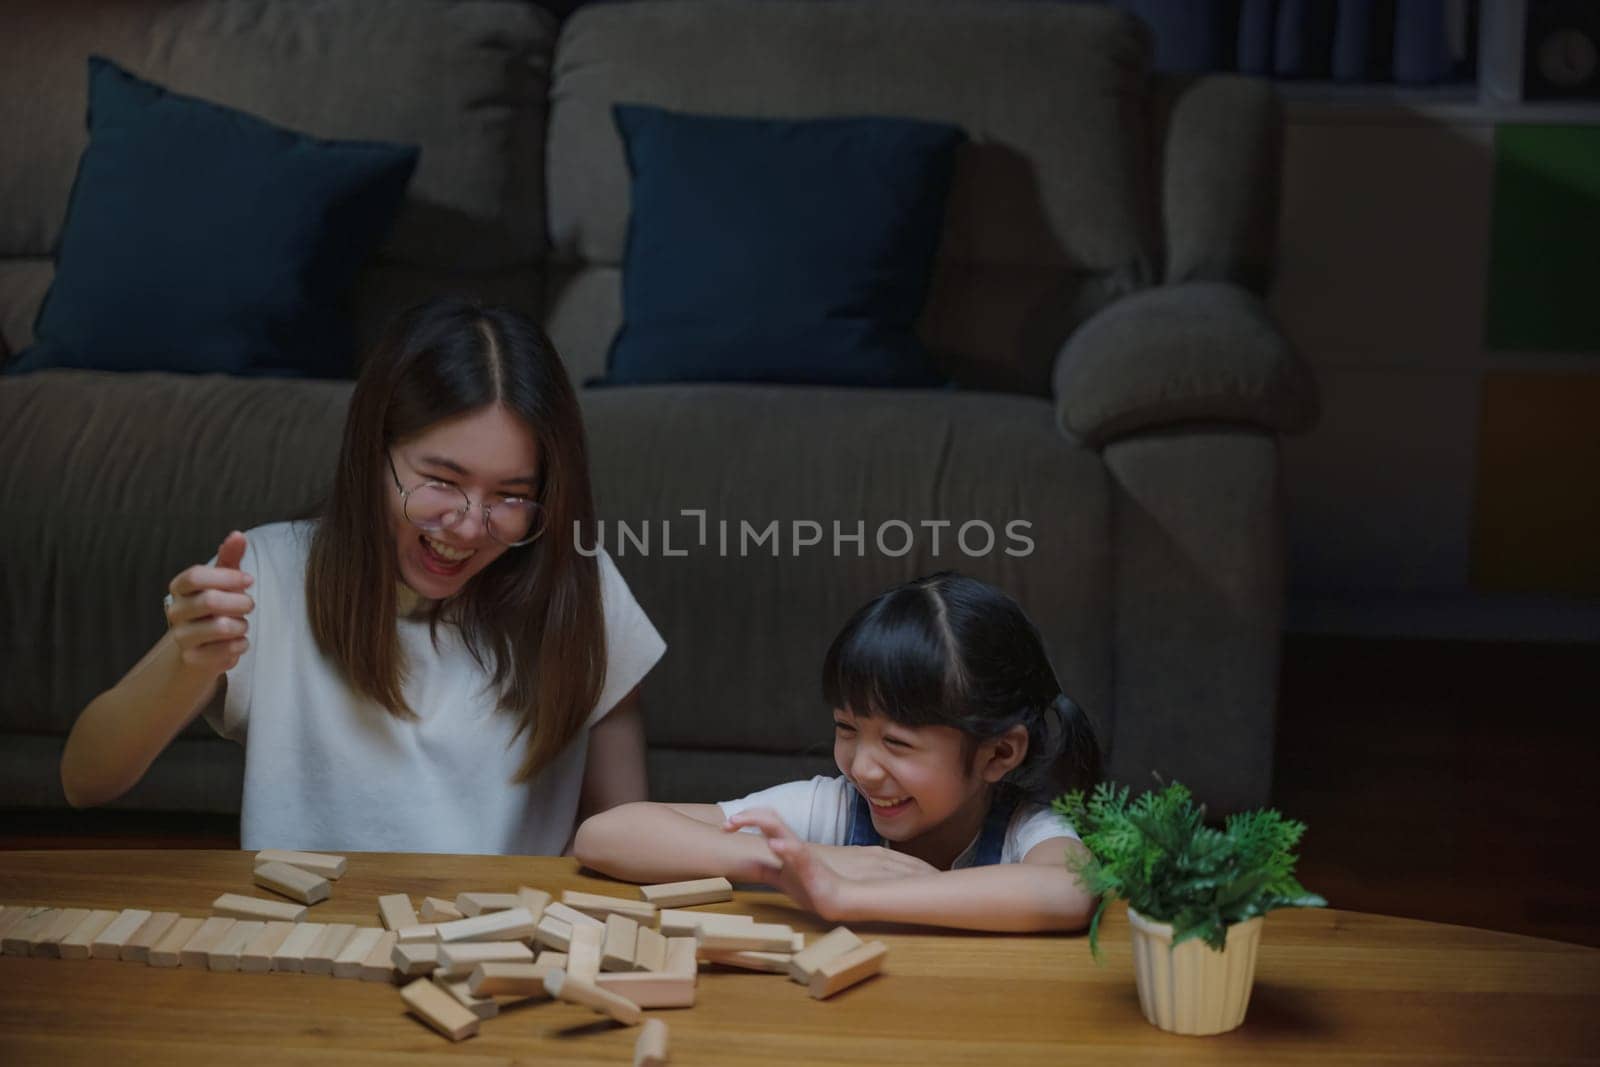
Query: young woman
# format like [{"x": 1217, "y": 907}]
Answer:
[{"x": 431, "y": 665}]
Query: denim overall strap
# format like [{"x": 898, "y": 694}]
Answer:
[{"x": 862, "y": 832}]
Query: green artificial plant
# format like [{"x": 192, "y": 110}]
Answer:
[{"x": 1156, "y": 853}]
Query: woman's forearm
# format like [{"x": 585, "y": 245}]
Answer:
[
  {"x": 1008, "y": 897},
  {"x": 122, "y": 731},
  {"x": 647, "y": 842}
]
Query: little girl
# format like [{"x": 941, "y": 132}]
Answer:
[
  {"x": 431, "y": 665},
  {"x": 951, "y": 734}
]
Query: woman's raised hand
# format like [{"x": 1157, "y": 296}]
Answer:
[{"x": 207, "y": 609}]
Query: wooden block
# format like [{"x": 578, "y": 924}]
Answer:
[
  {"x": 513, "y": 924},
  {"x": 196, "y": 951},
  {"x": 456, "y": 960},
  {"x": 225, "y": 956},
  {"x": 379, "y": 964},
  {"x": 412, "y": 958},
  {"x": 318, "y": 863},
  {"x": 842, "y": 972},
  {"x": 650, "y": 952},
  {"x": 640, "y": 911},
  {"x": 583, "y": 954},
  {"x": 651, "y": 1048},
  {"x": 238, "y": 906},
  {"x": 420, "y": 932},
  {"x": 291, "y": 955},
  {"x": 554, "y": 933},
  {"x": 108, "y": 943},
  {"x": 535, "y": 900},
  {"x": 651, "y": 990},
  {"x": 19, "y": 939},
  {"x": 563, "y": 986},
  {"x": 514, "y": 979},
  {"x": 756, "y": 937},
  {"x": 10, "y": 917},
  {"x": 348, "y": 963},
  {"x": 682, "y": 956},
  {"x": 835, "y": 942},
  {"x": 48, "y": 942},
  {"x": 396, "y": 911},
  {"x": 684, "y": 894},
  {"x": 165, "y": 951},
  {"x": 622, "y": 941},
  {"x": 137, "y": 948},
  {"x": 482, "y": 1007},
  {"x": 325, "y": 949},
  {"x": 435, "y": 910},
  {"x": 257, "y": 955},
  {"x": 75, "y": 946},
  {"x": 570, "y": 915},
  {"x": 765, "y": 962},
  {"x": 292, "y": 882},
  {"x": 676, "y": 922},
  {"x": 470, "y": 904},
  {"x": 439, "y": 1009}
]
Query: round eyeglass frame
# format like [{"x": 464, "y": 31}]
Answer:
[{"x": 488, "y": 509}]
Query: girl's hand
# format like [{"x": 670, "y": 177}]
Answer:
[
  {"x": 866, "y": 862},
  {"x": 207, "y": 609},
  {"x": 804, "y": 877}
]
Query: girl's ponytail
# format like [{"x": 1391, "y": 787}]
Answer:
[{"x": 1063, "y": 752}]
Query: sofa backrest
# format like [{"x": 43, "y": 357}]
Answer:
[
  {"x": 1051, "y": 214},
  {"x": 467, "y": 81}
]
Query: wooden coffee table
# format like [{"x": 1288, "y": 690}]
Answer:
[{"x": 1331, "y": 986}]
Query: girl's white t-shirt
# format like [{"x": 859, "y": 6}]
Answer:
[
  {"x": 818, "y": 812},
  {"x": 326, "y": 768}
]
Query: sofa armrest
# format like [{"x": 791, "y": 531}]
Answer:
[{"x": 1197, "y": 352}]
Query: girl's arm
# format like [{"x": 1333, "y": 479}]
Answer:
[
  {"x": 645, "y": 842},
  {"x": 1038, "y": 894}
]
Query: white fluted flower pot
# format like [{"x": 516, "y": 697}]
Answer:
[{"x": 1193, "y": 989}]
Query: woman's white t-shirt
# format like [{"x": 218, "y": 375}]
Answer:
[
  {"x": 818, "y": 812},
  {"x": 327, "y": 768}
]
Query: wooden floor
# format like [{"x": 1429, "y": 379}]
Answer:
[{"x": 1449, "y": 781}]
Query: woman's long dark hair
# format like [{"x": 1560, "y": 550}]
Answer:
[
  {"x": 948, "y": 650},
  {"x": 534, "y": 615}
]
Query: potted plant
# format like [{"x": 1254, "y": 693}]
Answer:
[{"x": 1196, "y": 896}]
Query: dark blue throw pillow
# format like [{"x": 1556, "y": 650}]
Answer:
[
  {"x": 202, "y": 239},
  {"x": 771, "y": 250}
]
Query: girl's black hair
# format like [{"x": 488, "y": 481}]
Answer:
[{"x": 949, "y": 650}]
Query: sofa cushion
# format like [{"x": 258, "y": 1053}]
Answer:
[
  {"x": 778, "y": 250},
  {"x": 200, "y": 238}
]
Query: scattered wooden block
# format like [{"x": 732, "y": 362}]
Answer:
[
  {"x": 570, "y": 915},
  {"x": 108, "y": 943},
  {"x": 439, "y": 1009},
  {"x": 75, "y": 946},
  {"x": 456, "y": 960},
  {"x": 412, "y": 958},
  {"x": 682, "y": 956},
  {"x": 292, "y": 882},
  {"x": 379, "y": 964},
  {"x": 835, "y": 942},
  {"x": 470, "y": 904},
  {"x": 48, "y": 942},
  {"x": 842, "y": 972},
  {"x": 196, "y": 951},
  {"x": 482, "y": 1007},
  {"x": 325, "y": 949},
  {"x": 684, "y": 894},
  {"x": 554, "y": 933},
  {"x": 640, "y": 911},
  {"x": 318, "y": 863},
  {"x": 11, "y": 917},
  {"x": 225, "y": 955},
  {"x": 535, "y": 900},
  {"x": 351, "y": 958},
  {"x": 166, "y": 950},
  {"x": 237, "y": 906},
  {"x": 419, "y": 932},
  {"x": 514, "y": 979},
  {"x": 562, "y": 986},
  {"x": 755, "y": 937},
  {"x": 651, "y": 1048},
  {"x": 649, "y": 990},
  {"x": 765, "y": 962},
  {"x": 396, "y": 912},
  {"x": 435, "y": 910},
  {"x": 22, "y": 937},
  {"x": 513, "y": 924},
  {"x": 257, "y": 955},
  {"x": 583, "y": 954},
  {"x": 137, "y": 948},
  {"x": 290, "y": 958},
  {"x": 650, "y": 951},
  {"x": 622, "y": 941},
  {"x": 676, "y": 922}
]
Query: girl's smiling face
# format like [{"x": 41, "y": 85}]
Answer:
[
  {"x": 927, "y": 792},
  {"x": 489, "y": 454}
]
